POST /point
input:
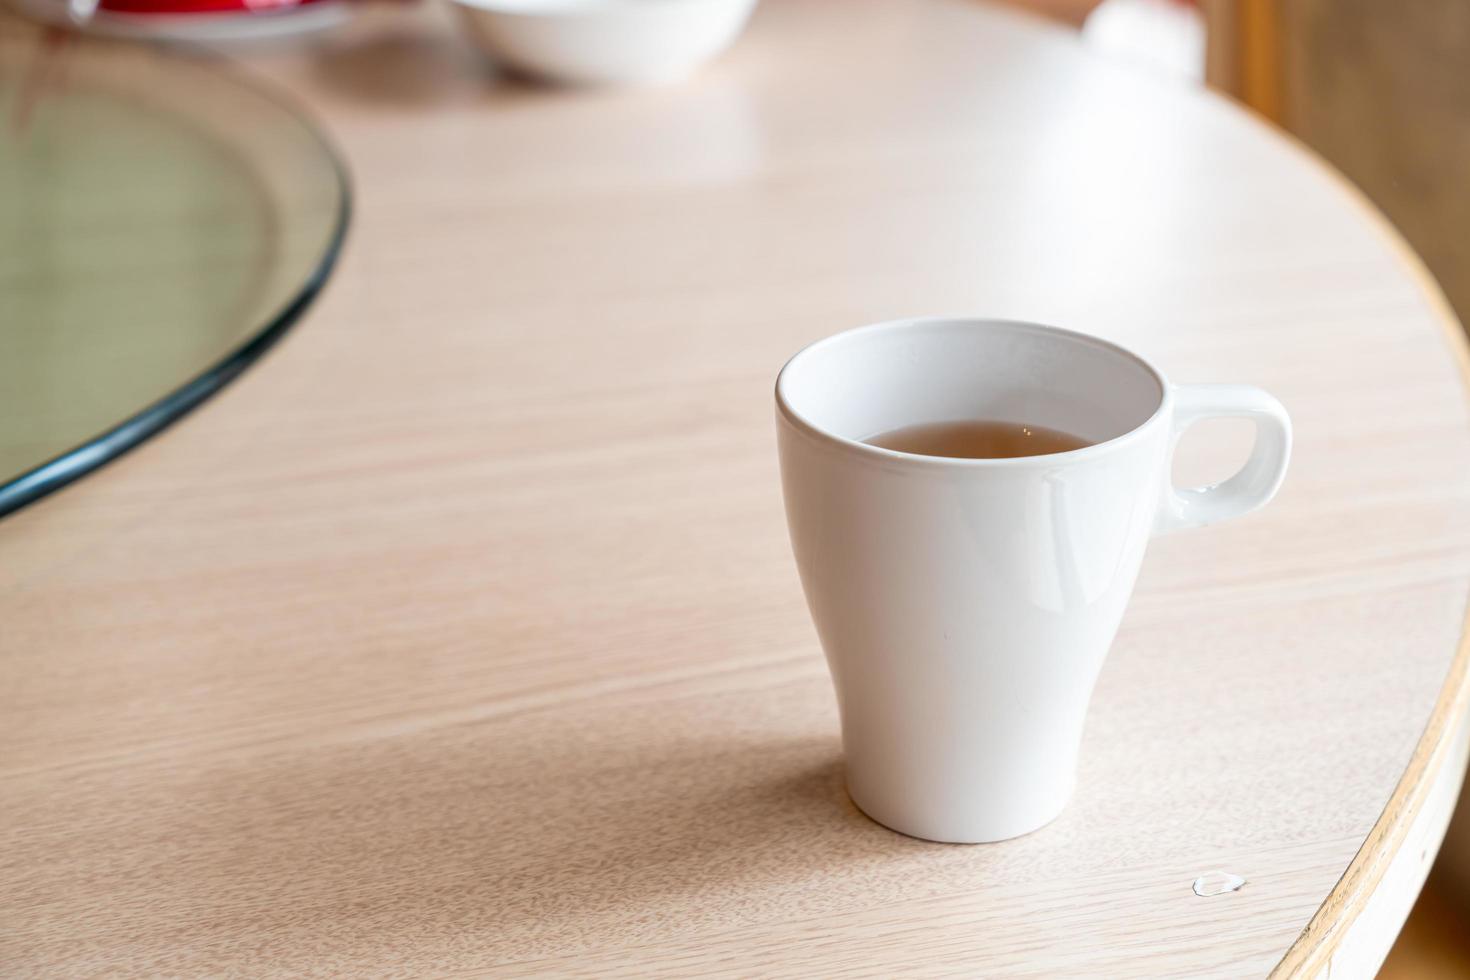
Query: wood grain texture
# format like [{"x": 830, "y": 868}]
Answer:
[
  {"x": 1353, "y": 931},
  {"x": 1367, "y": 935},
  {"x": 1379, "y": 93},
  {"x": 462, "y": 635}
]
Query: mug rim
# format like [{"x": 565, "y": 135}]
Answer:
[{"x": 878, "y": 453}]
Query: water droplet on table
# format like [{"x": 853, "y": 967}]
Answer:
[{"x": 1213, "y": 883}]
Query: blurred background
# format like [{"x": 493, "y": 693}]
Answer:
[{"x": 1380, "y": 90}]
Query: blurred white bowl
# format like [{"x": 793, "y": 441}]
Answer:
[{"x": 605, "y": 42}]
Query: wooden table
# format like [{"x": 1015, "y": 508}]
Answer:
[{"x": 462, "y": 634}]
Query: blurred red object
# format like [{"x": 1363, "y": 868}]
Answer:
[
  {"x": 190, "y": 20},
  {"x": 201, "y": 6}
]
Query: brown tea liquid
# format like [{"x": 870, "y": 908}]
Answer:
[{"x": 978, "y": 439}]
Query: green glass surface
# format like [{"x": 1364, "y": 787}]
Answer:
[{"x": 157, "y": 215}]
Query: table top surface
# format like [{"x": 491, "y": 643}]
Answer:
[{"x": 463, "y": 633}]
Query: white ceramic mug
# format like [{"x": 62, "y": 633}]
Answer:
[{"x": 966, "y": 605}]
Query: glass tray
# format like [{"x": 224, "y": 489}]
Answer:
[{"x": 162, "y": 224}]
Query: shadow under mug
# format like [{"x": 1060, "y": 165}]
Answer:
[{"x": 965, "y": 606}]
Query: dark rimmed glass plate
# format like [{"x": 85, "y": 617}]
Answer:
[{"x": 162, "y": 223}]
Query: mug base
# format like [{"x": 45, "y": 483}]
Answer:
[{"x": 948, "y": 831}]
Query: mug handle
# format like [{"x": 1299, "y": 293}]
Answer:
[{"x": 1254, "y": 484}]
